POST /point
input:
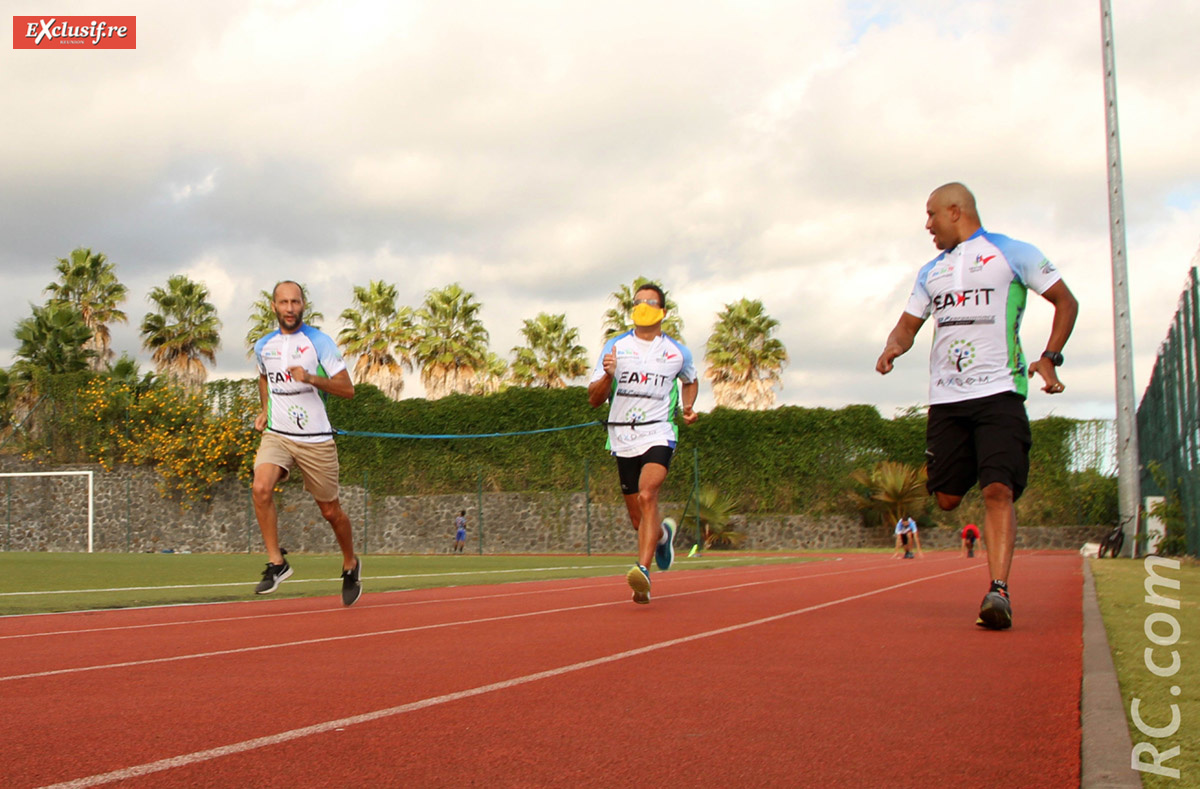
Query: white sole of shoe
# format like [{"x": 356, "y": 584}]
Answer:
[{"x": 640, "y": 585}]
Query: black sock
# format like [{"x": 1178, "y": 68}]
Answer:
[{"x": 998, "y": 585}]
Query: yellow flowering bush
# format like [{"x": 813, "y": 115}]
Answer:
[{"x": 192, "y": 445}]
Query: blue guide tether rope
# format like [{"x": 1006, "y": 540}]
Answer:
[
  {"x": 367, "y": 434},
  {"x": 597, "y": 423}
]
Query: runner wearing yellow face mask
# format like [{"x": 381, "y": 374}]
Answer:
[
  {"x": 647, "y": 313},
  {"x": 637, "y": 371}
]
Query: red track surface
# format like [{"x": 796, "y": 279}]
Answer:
[{"x": 859, "y": 671}]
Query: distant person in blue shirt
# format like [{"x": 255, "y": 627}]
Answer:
[
  {"x": 906, "y": 538},
  {"x": 460, "y": 532}
]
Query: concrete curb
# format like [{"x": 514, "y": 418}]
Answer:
[{"x": 1106, "y": 748}]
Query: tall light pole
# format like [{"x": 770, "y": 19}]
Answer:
[{"x": 1128, "y": 467}]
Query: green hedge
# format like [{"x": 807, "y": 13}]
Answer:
[
  {"x": 789, "y": 459},
  {"x": 786, "y": 460}
]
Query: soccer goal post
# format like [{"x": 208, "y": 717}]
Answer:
[{"x": 91, "y": 498}]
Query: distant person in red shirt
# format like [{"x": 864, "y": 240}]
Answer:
[{"x": 970, "y": 534}]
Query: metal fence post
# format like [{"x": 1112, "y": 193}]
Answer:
[
  {"x": 696, "y": 488},
  {"x": 587, "y": 505},
  {"x": 479, "y": 506},
  {"x": 128, "y": 513},
  {"x": 249, "y": 517}
]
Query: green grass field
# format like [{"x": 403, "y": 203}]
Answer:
[
  {"x": 32, "y": 583},
  {"x": 1121, "y": 593}
]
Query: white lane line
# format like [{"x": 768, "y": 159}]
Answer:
[
  {"x": 320, "y": 611},
  {"x": 464, "y": 573},
  {"x": 340, "y": 611},
  {"x": 396, "y": 631},
  {"x": 461, "y": 574},
  {"x": 197, "y": 757}
]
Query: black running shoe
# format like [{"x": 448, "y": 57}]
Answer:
[
  {"x": 274, "y": 575},
  {"x": 995, "y": 613},
  {"x": 352, "y": 583}
]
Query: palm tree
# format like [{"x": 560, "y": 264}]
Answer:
[
  {"x": 263, "y": 320},
  {"x": 379, "y": 337},
  {"x": 490, "y": 379},
  {"x": 616, "y": 319},
  {"x": 89, "y": 283},
  {"x": 889, "y": 491},
  {"x": 744, "y": 361},
  {"x": 127, "y": 371},
  {"x": 5, "y": 399},
  {"x": 552, "y": 354},
  {"x": 716, "y": 510},
  {"x": 53, "y": 340},
  {"x": 452, "y": 345},
  {"x": 183, "y": 332}
]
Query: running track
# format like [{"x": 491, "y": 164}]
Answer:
[{"x": 848, "y": 672}]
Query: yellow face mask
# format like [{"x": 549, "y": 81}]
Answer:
[{"x": 646, "y": 315}]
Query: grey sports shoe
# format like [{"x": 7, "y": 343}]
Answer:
[
  {"x": 274, "y": 575},
  {"x": 995, "y": 613},
  {"x": 352, "y": 583}
]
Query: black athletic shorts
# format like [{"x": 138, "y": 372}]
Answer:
[
  {"x": 984, "y": 440},
  {"x": 630, "y": 469}
]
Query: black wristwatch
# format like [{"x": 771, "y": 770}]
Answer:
[{"x": 1055, "y": 357}]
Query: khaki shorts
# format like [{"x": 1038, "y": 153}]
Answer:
[{"x": 317, "y": 462}]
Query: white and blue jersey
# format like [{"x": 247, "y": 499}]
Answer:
[
  {"x": 644, "y": 391},
  {"x": 296, "y": 409},
  {"x": 976, "y": 294}
]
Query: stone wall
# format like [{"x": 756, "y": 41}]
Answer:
[
  {"x": 799, "y": 532},
  {"x": 50, "y": 514}
]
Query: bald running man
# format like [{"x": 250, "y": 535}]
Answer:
[
  {"x": 297, "y": 367},
  {"x": 977, "y": 429}
]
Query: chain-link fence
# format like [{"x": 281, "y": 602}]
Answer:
[{"x": 1168, "y": 421}]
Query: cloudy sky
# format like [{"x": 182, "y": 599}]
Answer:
[{"x": 544, "y": 153}]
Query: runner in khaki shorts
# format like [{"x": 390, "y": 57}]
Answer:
[{"x": 297, "y": 366}]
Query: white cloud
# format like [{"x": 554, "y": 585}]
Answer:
[
  {"x": 544, "y": 154},
  {"x": 205, "y": 186}
]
